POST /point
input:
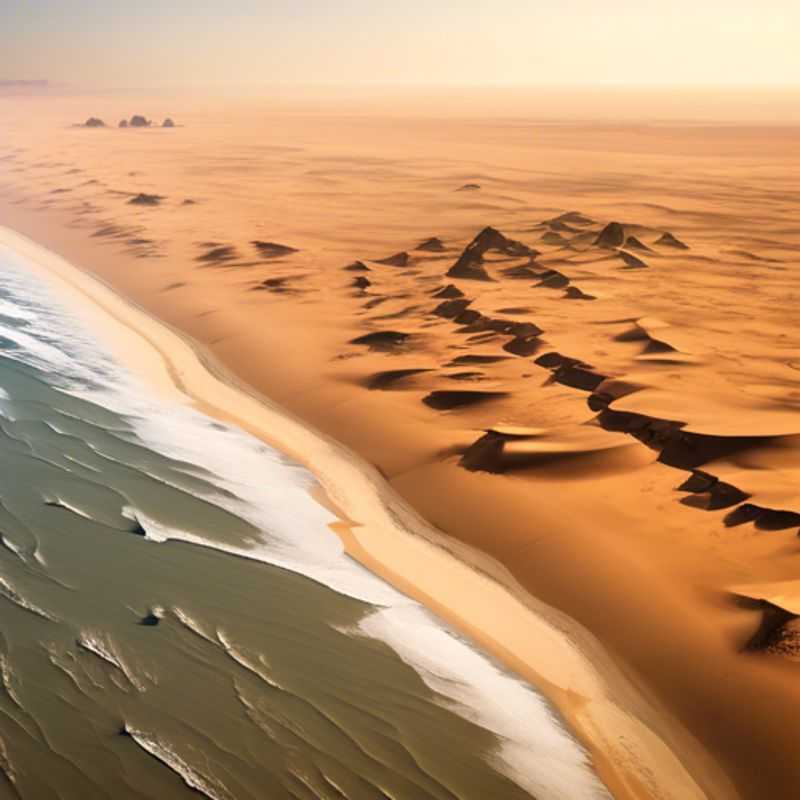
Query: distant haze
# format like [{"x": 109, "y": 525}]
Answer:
[{"x": 203, "y": 43}]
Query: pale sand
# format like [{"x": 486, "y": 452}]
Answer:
[
  {"x": 585, "y": 518},
  {"x": 467, "y": 588}
]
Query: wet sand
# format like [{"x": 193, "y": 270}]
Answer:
[
  {"x": 460, "y": 584},
  {"x": 682, "y": 345},
  {"x": 179, "y": 619}
]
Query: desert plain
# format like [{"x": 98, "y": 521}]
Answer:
[{"x": 564, "y": 329}]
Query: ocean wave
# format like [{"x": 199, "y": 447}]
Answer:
[
  {"x": 15, "y": 310},
  {"x": 209, "y": 787},
  {"x": 100, "y": 645},
  {"x": 259, "y": 670},
  {"x": 12, "y": 595},
  {"x": 8, "y": 680},
  {"x": 253, "y": 482},
  {"x": 533, "y": 747}
]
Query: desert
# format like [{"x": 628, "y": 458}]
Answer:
[{"x": 567, "y": 343}]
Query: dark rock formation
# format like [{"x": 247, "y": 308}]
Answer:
[
  {"x": 613, "y": 235},
  {"x": 388, "y": 379},
  {"x": 553, "y": 279},
  {"x": 138, "y": 121},
  {"x": 448, "y": 292},
  {"x": 432, "y": 245},
  {"x": 269, "y": 250},
  {"x": 574, "y": 218},
  {"x": 668, "y": 240},
  {"x": 397, "y": 260},
  {"x": 773, "y": 620},
  {"x": 469, "y": 264},
  {"x": 578, "y": 377},
  {"x": 574, "y": 293},
  {"x": 146, "y": 200},
  {"x": 168, "y": 123},
  {"x": 632, "y": 243},
  {"x": 487, "y": 453},
  {"x": 698, "y": 482},
  {"x": 218, "y": 254},
  {"x": 765, "y": 519},
  {"x": 381, "y": 340},
  {"x": 445, "y": 400},
  {"x": 631, "y": 261},
  {"x": 476, "y": 358},
  {"x": 94, "y": 122},
  {"x": 451, "y": 309},
  {"x": 275, "y": 285},
  {"x": 523, "y": 345}
]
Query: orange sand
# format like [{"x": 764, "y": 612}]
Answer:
[{"x": 582, "y": 514}]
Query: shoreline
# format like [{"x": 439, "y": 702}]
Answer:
[{"x": 566, "y": 663}]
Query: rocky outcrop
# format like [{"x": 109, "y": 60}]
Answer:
[
  {"x": 668, "y": 240},
  {"x": 613, "y": 235},
  {"x": 470, "y": 262},
  {"x": 146, "y": 200}
]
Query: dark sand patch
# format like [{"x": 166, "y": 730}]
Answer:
[
  {"x": 389, "y": 379},
  {"x": 447, "y": 400},
  {"x": 382, "y": 340}
]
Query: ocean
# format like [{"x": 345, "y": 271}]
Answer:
[{"x": 177, "y": 618}]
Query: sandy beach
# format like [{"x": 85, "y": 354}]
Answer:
[
  {"x": 536, "y": 339},
  {"x": 470, "y": 590}
]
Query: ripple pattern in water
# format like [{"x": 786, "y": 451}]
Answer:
[{"x": 176, "y": 618}]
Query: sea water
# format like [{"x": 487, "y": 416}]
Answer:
[{"x": 177, "y": 618}]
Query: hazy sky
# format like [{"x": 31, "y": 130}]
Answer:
[{"x": 149, "y": 43}]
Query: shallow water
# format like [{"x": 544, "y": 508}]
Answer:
[{"x": 177, "y": 618}]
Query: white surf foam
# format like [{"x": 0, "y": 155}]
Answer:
[
  {"x": 534, "y": 749},
  {"x": 167, "y": 755},
  {"x": 273, "y": 496}
]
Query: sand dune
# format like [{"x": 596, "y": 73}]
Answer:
[{"x": 634, "y": 458}]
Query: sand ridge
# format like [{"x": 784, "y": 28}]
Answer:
[{"x": 605, "y": 395}]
